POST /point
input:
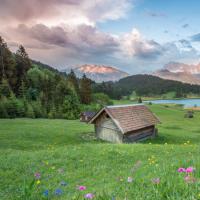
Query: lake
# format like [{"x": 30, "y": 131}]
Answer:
[{"x": 185, "y": 102}]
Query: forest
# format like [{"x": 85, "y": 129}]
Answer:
[
  {"x": 31, "y": 89},
  {"x": 145, "y": 85}
]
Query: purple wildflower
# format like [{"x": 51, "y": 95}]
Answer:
[
  {"x": 37, "y": 175},
  {"x": 89, "y": 196}
]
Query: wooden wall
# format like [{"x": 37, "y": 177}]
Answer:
[
  {"x": 106, "y": 129},
  {"x": 139, "y": 135}
]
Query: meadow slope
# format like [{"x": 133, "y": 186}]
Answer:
[{"x": 66, "y": 155}]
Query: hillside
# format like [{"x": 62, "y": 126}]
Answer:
[
  {"x": 100, "y": 73},
  {"x": 144, "y": 85}
]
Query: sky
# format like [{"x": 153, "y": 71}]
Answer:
[{"x": 136, "y": 36}]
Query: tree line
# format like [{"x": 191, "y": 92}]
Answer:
[
  {"x": 145, "y": 85},
  {"x": 27, "y": 89}
]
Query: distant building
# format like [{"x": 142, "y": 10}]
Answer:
[
  {"x": 124, "y": 123},
  {"x": 87, "y": 116}
]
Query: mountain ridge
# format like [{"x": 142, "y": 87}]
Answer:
[
  {"x": 100, "y": 73},
  {"x": 180, "y": 72}
]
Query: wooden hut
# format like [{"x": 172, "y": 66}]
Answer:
[
  {"x": 125, "y": 123},
  {"x": 86, "y": 116}
]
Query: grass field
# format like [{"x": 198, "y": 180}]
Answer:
[{"x": 66, "y": 155}]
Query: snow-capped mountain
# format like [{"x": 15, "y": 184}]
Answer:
[{"x": 100, "y": 73}]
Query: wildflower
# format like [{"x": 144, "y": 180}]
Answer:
[
  {"x": 38, "y": 182},
  {"x": 58, "y": 192},
  {"x": 89, "y": 196},
  {"x": 46, "y": 193},
  {"x": 181, "y": 169},
  {"x": 81, "y": 188},
  {"x": 63, "y": 183},
  {"x": 37, "y": 175},
  {"x": 61, "y": 170},
  {"x": 156, "y": 180},
  {"x": 130, "y": 179},
  {"x": 189, "y": 170},
  {"x": 189, "y": 179}
]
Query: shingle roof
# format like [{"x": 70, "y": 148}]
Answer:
[
  {"x": 89, "y": 113},
  {"x": 130, "y": 117}
]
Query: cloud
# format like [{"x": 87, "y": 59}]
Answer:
[
  {"x": 81, "y": 38},
  {"x": 133, "y": 44},
  {"x": 196, "y": 38},
  {"x": 185, "y": 25},
  {"x": 54, "y": 12},
  {"x": 185, "y": 44}
]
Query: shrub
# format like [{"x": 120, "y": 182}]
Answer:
[
  {"x": 189, "y": 114},
  {"x": 30, "y": 113}
]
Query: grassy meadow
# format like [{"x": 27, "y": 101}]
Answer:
[{"x": 50, "y": 159}]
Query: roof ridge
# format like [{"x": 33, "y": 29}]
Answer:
[{"x": 124, "y": 105}]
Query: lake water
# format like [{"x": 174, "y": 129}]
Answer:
[{"x": 184, "y": 102}]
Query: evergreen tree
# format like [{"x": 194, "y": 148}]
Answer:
[
  {"x": 71, "y": 107},
  {"x": 74, "y": 81},
  {"x": 7, "y": 64},
  {"x": 85, "y": 90},
  {"x": 5, "y": 89},
  {"x": 23, "y": 64},
  {"x": 139, "y": 100}
]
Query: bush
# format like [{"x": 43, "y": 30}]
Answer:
[
  {"x": 30, "y": 113},
  {"x": 139, "y": 100},
  {"x": 189, "y": 114},
  {"x": 71, "y": 107},
  {"x": 37, "y": 109},
  {"x": 3, "y": 111},
  {"x": 101, "y": 99}
]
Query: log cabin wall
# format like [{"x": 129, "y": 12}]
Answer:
[
  {"x": 106, "y": 129},
  {"x": 139, "y": 135}
]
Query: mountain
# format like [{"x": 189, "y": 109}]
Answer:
[
  {"x": 100, "y": 73},
  {"x": 181, "y": 67},
  {"x": 180, "y": 72}
]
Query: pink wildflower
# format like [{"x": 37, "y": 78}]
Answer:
[
  {"x": 189, "y": 179},
  {"x": 89, "y": 196},
  {"x": 181, "y": 169},
  {"x": 81, "y": 188},
  {"x": 156, "y": 180},
  {"x": 189, "y": 170}
]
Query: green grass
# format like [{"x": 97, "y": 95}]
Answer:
[{"x": 64, "y": 150}]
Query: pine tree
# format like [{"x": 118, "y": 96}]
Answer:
[
  {"x": 139, "y": 100},
  {"x": 23, "y": 64},
  {"x": 85, "y": 90},
  {"x": 74, "y": 81},
  {"x": 5, "y": 89},
  {"x": 7, "y": 64}
]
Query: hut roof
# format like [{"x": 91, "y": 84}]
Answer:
[
  {"x": 89, "y": 113},
  {"x": 129, "y": 117}
]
